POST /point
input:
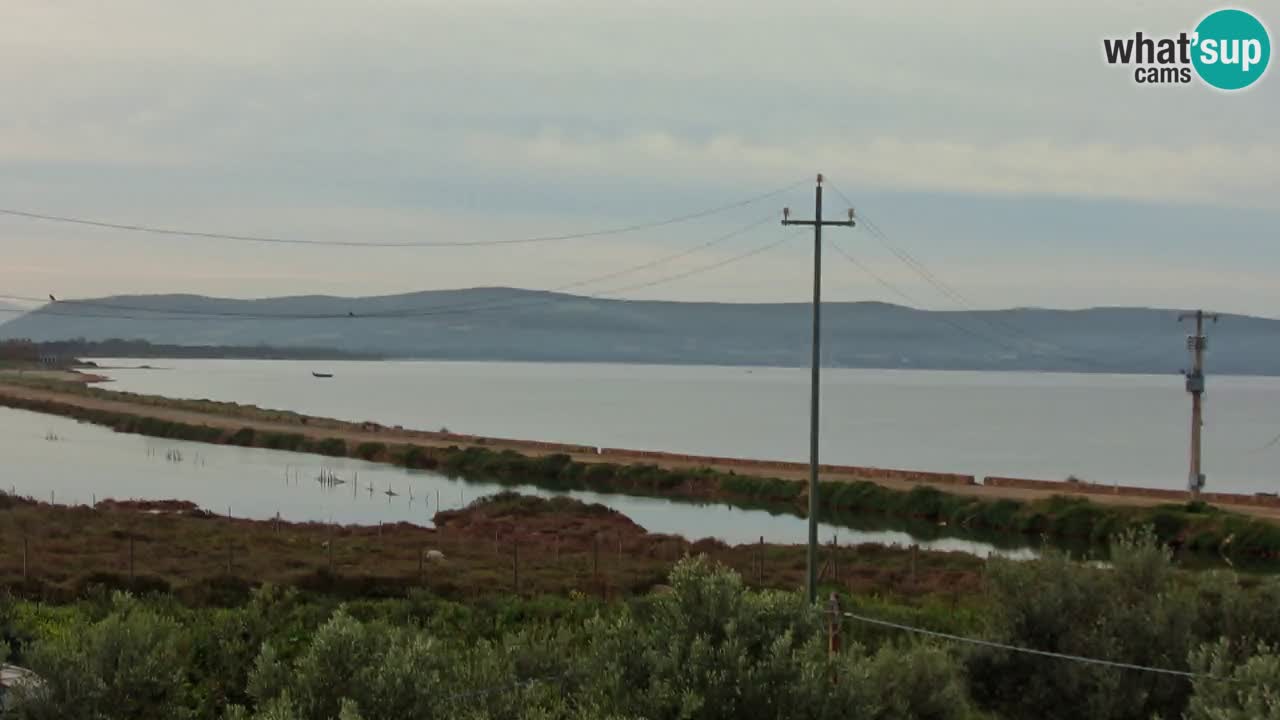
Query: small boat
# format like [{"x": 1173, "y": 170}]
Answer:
[{"x": 321, "y": 375}]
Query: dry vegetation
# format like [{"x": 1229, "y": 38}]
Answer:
[{"x": 498, "y": 545}]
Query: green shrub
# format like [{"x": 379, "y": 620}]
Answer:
[
  {"x": 282, "y": 441},
  {"x": 370, "y": 450},
  {"x": 333, "y": 447},
  {"x": 243, "y": 437},
  {"x": 597, "y": 473}
]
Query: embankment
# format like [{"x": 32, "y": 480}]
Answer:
[
  {"x": 1161, "y": 494},
  {"x": 954, "y": 501}
]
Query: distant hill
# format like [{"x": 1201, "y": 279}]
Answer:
[
  {"x": 143, "y": 349},
  {"x": 509, "y": 324},
  {"x": 9, "y": 311}
]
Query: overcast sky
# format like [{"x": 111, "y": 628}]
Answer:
[{"x": 987, "y": 139}]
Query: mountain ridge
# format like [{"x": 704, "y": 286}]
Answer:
[{"x": 500, "y": 323}]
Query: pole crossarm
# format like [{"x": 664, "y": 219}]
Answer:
[{"x": 825, "y": 223}]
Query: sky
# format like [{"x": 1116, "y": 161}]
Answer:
[{"x": 989, "y": 141}]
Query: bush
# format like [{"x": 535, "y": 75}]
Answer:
[
  {"x": 1132, "y": 612},
  {"x": 283, "y": 441},
  {"x": 1232, "y": 688},
  {"x": 371, "y": 450},
  {"x": 333, "y": 447},
  {"x": 243, "y": 437},
  {"x": 128, "y": 665}
]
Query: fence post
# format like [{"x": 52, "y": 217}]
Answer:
[
  {"x": 833, "y": 627},
  {"x": 835, "y": 560},
  {"x": 515, "y": 564},
  {"x": 760, "y": 567},
  {"x": 595, "y": 558},
  {"x": 915, "y": 550}
]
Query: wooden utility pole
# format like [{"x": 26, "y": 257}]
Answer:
[
  {"x": 1197, "y": 344},
  {"x": 811, "y": 578}
]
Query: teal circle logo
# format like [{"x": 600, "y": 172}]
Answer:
[{"x": 1232, "y": 49}]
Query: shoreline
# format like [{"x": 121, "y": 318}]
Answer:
[
  {"x": 1009, "y": 508},
  {"x": 240, "y": 416},
  {"x": 75, "y": 376},
  {"x": 671, "y": 364}
]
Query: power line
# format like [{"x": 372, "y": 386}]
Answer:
[
  {"x": 647, "y": 265},
  {"x": 1030, "y": 651},
  {"x": 200, "y": 234},
  {"x": 1003, "y": 343},
  {"x": 990, "y": 319},
  {"x": 401, "y": 312},
  {"x": 932, "y": 279},
  {"x": 937, "y": 315},
  {"x": 705, "y": 268},
  {"x": 1274, "y": 441},
  {"x": 459, "y": 308},
  {"x": 908, "y": 298},
  {"x": 924, "y": 272}
]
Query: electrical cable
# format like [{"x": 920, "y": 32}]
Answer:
[
  {"x": 994, "y": 321},
  {"x": 1030, "y": 651},
  {"x": 200, "y": 234},
  {"x": 177, "y": 314}
]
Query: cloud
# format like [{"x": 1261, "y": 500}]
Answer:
[
  {"x": 397, "y": 119},
  {"x": 1213, "y": 174}
]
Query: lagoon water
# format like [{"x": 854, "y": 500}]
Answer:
[
  {"x": 57, "y": 459},
  {"x": 1126, "y": 429}
]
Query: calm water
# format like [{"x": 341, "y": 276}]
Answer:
[
  {"x": 1127, "y": 429},
  {"x": 51, "y": 457}
]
